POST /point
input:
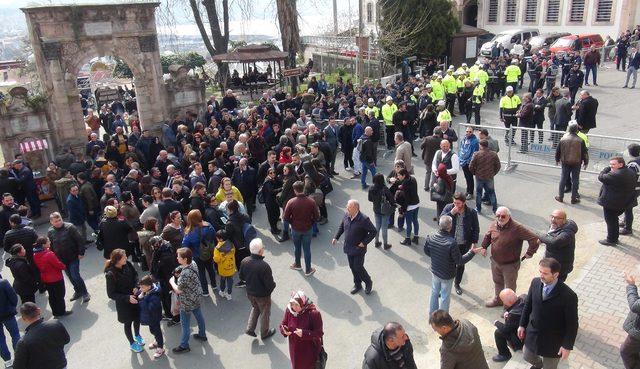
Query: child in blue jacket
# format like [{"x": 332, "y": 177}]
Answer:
[{"x": 151, "y": 312}]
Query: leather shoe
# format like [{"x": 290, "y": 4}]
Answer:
[
  {"x": 625, "y": 232},
  {"x": 606, "y": 242},
  {"x": 494, "y": 302},
  {"x": 367, "y": 289},
  {"x": 378, "y": 244},
  {"x": 575, "y": 201},
  {"x": 558, "y": 199},
  {"x": 282, "y": 238},
  {"x": 458, "y": 289},
  {"x": 270, "y": 333},
  {"x": 355, "y": 289},
  {"x": 387, "y": 246},
  {"x": 251, "y": 333},
  {"x": 406, "y": 241},
  {"x": 500, "y": 358}
]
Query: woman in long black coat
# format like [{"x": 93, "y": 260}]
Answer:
[
  {"x": 122, "y": 280},
  {"x": 346, "y": 143},
  {"x": 113, "y": 233},
  {"x": 270, "y": 188}
]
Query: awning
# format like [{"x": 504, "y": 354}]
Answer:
[{"x": 34, "y": 145}]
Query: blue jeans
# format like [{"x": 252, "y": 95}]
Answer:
[
  {"x": 485, "y": 185},
  {"x": 367, "y": 166},
  {"x": 185, "y": 322},
  {"x": 302, "y": 243},
  {"x": 594, "y": 70},
  {"x": 382, "y": 224},
  {"x": 440, "y": 288},
  {"x": 285, "y": 226},
  {"x": 411, "y": 218},
  {"x": 73, "y": 272},
  {"x": 226, "y": 282},
  {"x": 12, "y": 326}
]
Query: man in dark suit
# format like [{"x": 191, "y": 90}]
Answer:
[
  {"x": 562, "y": 117},
  {"x": 245, "y": 179},
  {"x": 616, "y": 195},
  {"x": 506, "y": 333},
  {"x": 586, "y": 110},
  {"x": 549, "y": 321},
  {"x": 634, "y": 65},
  {"x": 331, "y": 138}
]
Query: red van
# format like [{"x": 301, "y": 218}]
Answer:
[{"x": 576, "y": 43}]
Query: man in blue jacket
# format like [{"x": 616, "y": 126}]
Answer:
[
  {"x": 359, "y": 231},
  {"x": 468, "y": 146},
  {"x": 8, "y": 303}
]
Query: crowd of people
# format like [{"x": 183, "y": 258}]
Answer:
[{"x": 178, "y": 208}]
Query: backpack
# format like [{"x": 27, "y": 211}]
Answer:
[
  {"x": 386, "y": 208},
  {"x": 207, "y": 244},
  {"x": 249, "y": 233}
]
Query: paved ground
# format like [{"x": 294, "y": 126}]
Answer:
[{"x": 401, "y": 282}]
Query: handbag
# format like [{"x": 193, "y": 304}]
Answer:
[
  {"x": 321, "y": 362},
  {"x": 385, "y": 205},
  {"x": 175, "y": 304},
  {"x": 260, "y": 196}
]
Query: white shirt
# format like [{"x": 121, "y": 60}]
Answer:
[{"x": 455, "y": 163}]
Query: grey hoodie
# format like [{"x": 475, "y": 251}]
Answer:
[{"x": 461, "y": 348}]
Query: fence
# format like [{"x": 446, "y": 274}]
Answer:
[{"x": 541, "y": 148}]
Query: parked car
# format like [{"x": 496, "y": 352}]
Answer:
[
  {"x": 508, "y": 39},
  {"x": 576, "y": 43},
  {"x": 545, "y": 40}
]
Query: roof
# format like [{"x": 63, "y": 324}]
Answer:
[
  {"x": 466, "y": 30},
  {"x": 251, "y": 53}
]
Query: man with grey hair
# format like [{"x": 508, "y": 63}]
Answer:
[
  {"x": 586, "y": 111},
  {"x": 258, "y": 277},
  {"x": 563, "y": 109},
  {"x": 571, "y": 152},
  {"x": 445, "y": 258},
  {"x": 359, "y": 231}
]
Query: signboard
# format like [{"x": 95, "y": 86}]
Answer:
[
  {"x": 106, "y": 95},
  {"x": 472, "y": 44},
  {"x": 292, "y": 72},
  {"x": 97, "y": 28}
]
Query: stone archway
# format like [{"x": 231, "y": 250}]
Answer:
[{"x": 66, "y": 37}]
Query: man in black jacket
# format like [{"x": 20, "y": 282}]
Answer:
[
  {"x": 506, "y": 333},
  {"x": 259, "y": 283},
  {"x": 359, "y": 231},
  {"x": 20, "y": 234},
  {"x": 561, "y": 242},
  {"x": 42, "y": 345},
  {"x": 549, "y": 321},
  {"x": 6, "y": 211},
  {"x": 586, "y": 110},
  {"x": 616, "y": 194},
  {"x": 69, "y": 246},
  {"x": 367, "y": 156},
  {"x": 390, "y": 349},
  {"x": 245, "y": 179},
  {"x": 445, "y": 257}
]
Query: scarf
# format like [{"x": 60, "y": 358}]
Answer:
[{"x": 300, "y": 299}]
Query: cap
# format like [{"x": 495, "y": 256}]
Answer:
[
  {"x": 478, "y": 62},
  {"x": 416, "y": 89},
  {"x": 476, "y": 79},
  {"x": 389, "y": 98},
  {"x": 451, "y": 67},
  {"x": 434, "y": 74},
  {"x": 509, "y": 88},
  {"x": 464, "y": 64},
  {"x": 371, "y": 100},
  {"x": 428, "y": 85},
  {"x": 441, "y": 103},
  {"x": 514, "y": 61},
  {"x": 310, "y": 90}
]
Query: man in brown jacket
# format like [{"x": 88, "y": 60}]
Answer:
[
  {"x": 485, "y": 164},
  {"x": 429, "y": 146},
  {"x": 506, "y": 236},
  {"x": 403, "y": 151},
  {"x": 571, "y": 153}
]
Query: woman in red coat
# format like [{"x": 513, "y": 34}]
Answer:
[
  {"x": 302, "y": 323},
  {"x": 51, "y": 268}
]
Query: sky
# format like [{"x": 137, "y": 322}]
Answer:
[{"x": 316, "y": 16}]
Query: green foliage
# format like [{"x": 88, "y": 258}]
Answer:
[
  {"x": 234, "y": 45},
  {"x": 341, "y": 71},
  {"x": 190, "y": 60},
  {"x": 416, "y": 27},
  {"x": 271, "y": 45},
  {"x": 122, "y": 70},
  {"x": 37, "y": 102}
]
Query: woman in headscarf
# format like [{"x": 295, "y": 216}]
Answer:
[
  {"x": 442, "y": 190},
  {"x": 302, "y": 324}
]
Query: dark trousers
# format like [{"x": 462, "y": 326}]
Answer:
[
  {"x": 73, "y": 272},
  {"x": 510, "y": 122},
  {"x": 462, "y": 105},
  {"x": 356, "y": 264},
  {"x": 204, "y": 268},
  {"x": 468, "y": 176},
  {"x": 524, "y": 138},
  {"x": 570, "y": 173},
  {"x": 241, "y": 254},
  {"x": 157, "y": 334},
  {"x": 538, "y": 122},
  {"x": 573, "y": 91},
  {"x": 34, "y": 203},
  {"x": 136, "y": 330},
  {"x": 594, "y": 70},
  {"x": 390, "y": 131},
  {"x": 628, "y": 219},
  {"x": 332, "y": 160},
  {"x": 611, "y": 218},
  {"x": 630, "y": 353},
  {"x": 464, "y": 248},
  {"x": 503, "y": 340},
  {"x": 621, "y": 60},
  {"x": 27, "y": 297},
  {"x": 165, "y": 296},
  {"x": 451, "y": 102},
  {"x": 56, "y": 297},
  {"x": 348, "y": 157},
  {"x": 273, "y": 214}
]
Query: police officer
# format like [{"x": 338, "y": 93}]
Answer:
[
  {"x": 450, "y": 90},
  {"x": 550, "y": 75},
  {"x": 512, "y": 74},
  {"x": 460, "y": 81},
  {"x": 443, "y": 114},
  {"x": 387, "y": 116},
  {"x": 492, "y": 82},
  {"x": 476, "y": 102},
  {"x": 574, "y": 81},
  {"x": 509, "y": 105}
]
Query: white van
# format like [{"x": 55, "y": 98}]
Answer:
[{"x": 508, "y": 39}]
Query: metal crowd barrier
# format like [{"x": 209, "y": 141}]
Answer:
[{"x": 541, "y": 149}]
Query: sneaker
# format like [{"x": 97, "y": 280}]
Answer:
[
  {"x": 227, "y": 296},
  {"x": 139, "y": 340},
  {"x": 8, "y": 363},
  {"x": 310, "y": 272},
  {"x": 241, "y": 284},
  {"x": 387, "y": 246},
  {"x": 199, "y": 337},
  {"x": 295, "y": 267},
  {"x": 222, "y": 294},
  {"x": 270, "y": 333},
  {"x": 159, "y": 352},
  {"x": 172, "y": 323},
  {"x": 86, "y": 298},
  {"x": 180, "y": 350},
  {"x": 469, "y": 196},
  {"x": 136, "y": 347},
  {"x": 153, "y": 346},
  {"x": 75, "y": 297},
  {"x": 407, "y": 242},
  {"x": 205, "y": 294},
  {"x": 251, "y": 333}
]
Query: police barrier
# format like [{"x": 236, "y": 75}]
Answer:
[{"x": 539, "y": 147}]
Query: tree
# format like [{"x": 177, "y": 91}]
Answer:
[
  {"x": 190, "y": 60},
  {"x": 290, "y": 34},
  {"x": 122, "y": 70},
  {"x": 415, "y": 27},
  {"x": 236, "y": 44}
]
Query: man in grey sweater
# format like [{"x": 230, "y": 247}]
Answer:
[{"x": 445, "y": 257}]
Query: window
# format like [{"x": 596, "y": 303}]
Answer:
[
  {"x": 510, "y": 11},
  {"x": 553, "y": 11},
  {"x": 531, "y": 10},
  {"x": 369, "y": 12},
  {"x": 493, "y": 11},
  {"x": 577, "y": 11},
  {"x": 603, "y": 12}
]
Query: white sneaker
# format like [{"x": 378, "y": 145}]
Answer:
[
  {"x": 228, "y": 296},
  {"x": 348, "y": 169},
  {"x": 8, "y": 363},
  {"x": 222, "y": 293}
]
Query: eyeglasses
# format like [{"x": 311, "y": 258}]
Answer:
[
  {"x": 555, "y": 217},
  {"x": 501, "y": 216}
]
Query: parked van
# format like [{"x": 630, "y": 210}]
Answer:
[
  {"x": 576, "y": 43},
  {"x": 508, "y": 39},
  {"x": 545, "y": 40}
]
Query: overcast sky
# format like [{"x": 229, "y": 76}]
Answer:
[{"x": 316, "y": 16}]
